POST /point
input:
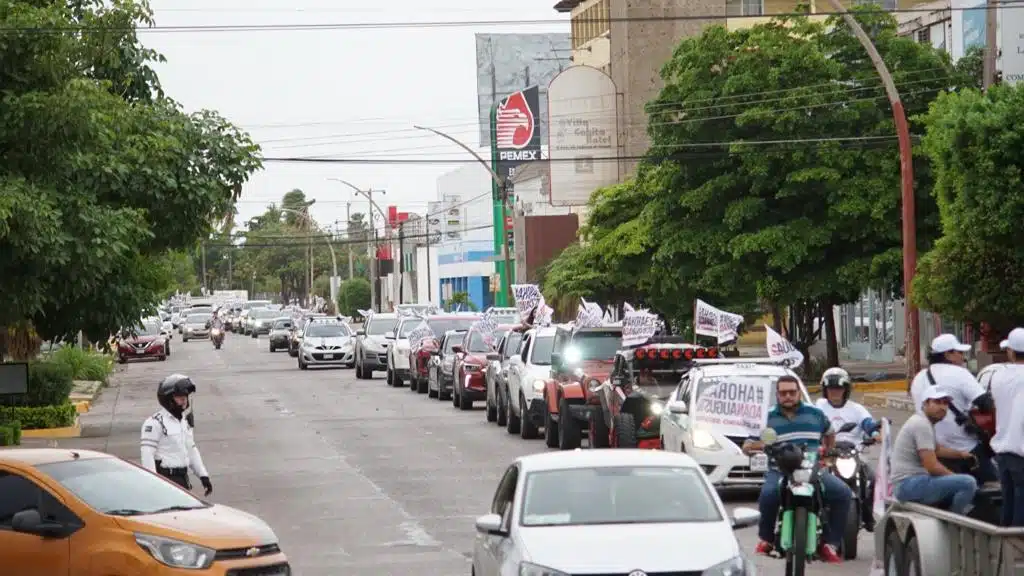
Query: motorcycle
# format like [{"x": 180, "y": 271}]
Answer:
[
  {"x": 798, "y": 531},
  {"x": 217, "y": 337},
  {"x": 847, "y": 465}
]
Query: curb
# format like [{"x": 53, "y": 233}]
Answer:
[
  {"x": 870, "y": 387},
  {"x": 82, "y": 406},
  {"x": 891, "y": 401},
  {"x": 74, "y": 431}
]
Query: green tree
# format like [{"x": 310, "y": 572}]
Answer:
[
  {"x": 976, "y": 145},
  {"x": 101, "y": 175},
  {"x": 353, "y": 296},
  {"x": 462, "y": 301}
]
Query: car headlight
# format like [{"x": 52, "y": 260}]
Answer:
[
  {"x": 704, "y": 440},
  {"x": 529, "y": 569},
  {"x": 175, "y": 553},
  {"x": 578, "y": 372},
  {"x": 846, "y": 467},
  {"x": 801, "y": 475},
  {"x": 657, "y": 408},
  {"x": 736, "y": 566},
  {"x": 538, "y": 385}
]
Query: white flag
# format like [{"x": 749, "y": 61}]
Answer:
[
  {"x": 781, "y": 349},
  {"x": 710, "y": 321},
  {"x": 589, "y": 315},
  {"x": 638, "y": 326},
  {"x": 527, "y": 297}
]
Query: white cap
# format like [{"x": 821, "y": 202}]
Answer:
[
  {"x": 1014, "y": 341},
  {"x": 935, "y": 393},
  {"x": 947, "y": 343}
]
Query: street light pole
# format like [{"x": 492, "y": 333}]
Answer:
[
  {"x": 504, "y": 187},
  {"x": 371, "y": 251}
]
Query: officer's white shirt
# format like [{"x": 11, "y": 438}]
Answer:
[
  {"x": 170, "y": 441},
  {"x": 960, "y": 384},
  {"x": 1007, "y": 386},
  {"x": 850, "y": 412}
]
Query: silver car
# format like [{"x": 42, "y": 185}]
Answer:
[
  {"x": 633, "y": 511},
  {"x": 196, "y": 326},
  {"x": 372, "y": 344},
  {"x": 497, "y": 376},
  {"x": 326, "y": 342}
]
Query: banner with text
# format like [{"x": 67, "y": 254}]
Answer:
[
  {"x": 487, "y": 326},
  {"x": 710, "y": 321},
  {"x": 638, "y": 326},
  {"x": 736, "y": 405},
  {"x": 527, "y": 297},
  {"x": 419, "y": 334},
  {"x": 781, "y": 349},
  {"x": 590, "y": 315}
]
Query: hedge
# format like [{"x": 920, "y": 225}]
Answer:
[
  {"x": 49, "y": 384},
  {"x": 39, "y": 417},
  {"x": 10, "y": 434}
]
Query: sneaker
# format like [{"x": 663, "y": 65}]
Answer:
[
  {"x": 764, "y": 548},
  {"x": 829, "y": 554}
]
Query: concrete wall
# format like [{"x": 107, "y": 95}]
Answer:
[{"x": 423, "y": 263}]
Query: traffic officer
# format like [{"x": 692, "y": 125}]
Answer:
[{"x": 168, "y": 445}]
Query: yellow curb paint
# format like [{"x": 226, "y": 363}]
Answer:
[
  {"x": 54, "y": 433},
  {"x": 867, "y": 387},
  {"x": 82, "y": 406}
]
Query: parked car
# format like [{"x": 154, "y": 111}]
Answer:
[
  {"x": 419, "y": 358},
  {"x": 326, "y": 342},
  {"x": 631, "y": 512},
  {"x": 497, "y": 376},
  {"x": 197, "y": 326},
  {"x": 442, "y": 365},
  {"x": 470, "y": 383},
  {"x": 280, "y": 333},
  {"x": 397, "y": 363},
  {"x": 91, "y": 514},
  {"x": 527, "y": 375},
  {"x": 262, "y": 320},
  {"x": 372, "y": 344},
  {"x": 143, "y": 341}
]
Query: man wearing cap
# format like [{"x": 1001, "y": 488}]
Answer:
[
  {"x": 1007, "y": 391},
  {"x": 946, "y": 369},
  {"x": 917, "y": 474}
]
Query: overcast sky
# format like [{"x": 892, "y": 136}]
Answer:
[{"x": 337, "y": 92}]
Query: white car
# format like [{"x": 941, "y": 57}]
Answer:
[
  {"x": 398, "y": 352},
  {"x": 711, "y": 431},
  {"x": 527, "y": 373},
  {"x": 326, "y": 342},
  {"x": 625, "y": 511}
]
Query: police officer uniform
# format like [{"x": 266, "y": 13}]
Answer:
[{"x": 168, "y": 445}]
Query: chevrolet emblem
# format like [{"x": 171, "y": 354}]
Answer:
[{"x": 254, "y": 551}]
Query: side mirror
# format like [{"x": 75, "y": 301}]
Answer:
[
  {"x": 677, "y": 407},
  {"x": 30, "y": 522},
  {"x": 489, "y": 524},
  {"x": 389, "y": 335},
  {"x": 743, "y": 517},
  {"x": 494, "y": 357},
  {"x": 360, "y": 332},
  {"x": 457, "y": 349}
]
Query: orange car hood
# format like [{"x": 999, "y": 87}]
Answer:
[
  {"x": 216, "y": 527},
  {"x": 598, "y": 369}
]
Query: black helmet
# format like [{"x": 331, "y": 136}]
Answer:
[{"x": 171, "y": 386}]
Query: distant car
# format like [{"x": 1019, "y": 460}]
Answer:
[
  {"x": 197, "y": 326},
  {"x": 620, "y": 512},
  {"x": 144, "y": 341},
  {"x": 326, "y": 342},
  {"x": 261, "y": 320},
  {"x": 372, "y": 344},
  {"x": 442, "y": 366},
  {"x": 527, "y": 374},
  {"x": 419, "y": 357},
  {"x": 280, "y": 333},
  {"x": 469, "y": 383},
  {"x": 497, "y": 376}
]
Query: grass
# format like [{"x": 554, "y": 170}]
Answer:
[{"x": 84, "y": 364}]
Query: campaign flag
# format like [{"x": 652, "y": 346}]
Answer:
[
  {"x": 737, "y": 403},
  {"x": 781, "y": 349},
  {"x": 638, "y": 326},
  {"x": 710, "y": 321}
]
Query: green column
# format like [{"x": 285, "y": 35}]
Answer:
[{"x": 500, "y": 299}]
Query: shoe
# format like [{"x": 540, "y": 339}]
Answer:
[
  {"x": 764, "y": 548},
  {"x": 829, "y": 554}
]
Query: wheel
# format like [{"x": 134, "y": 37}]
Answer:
[
  {"x": 168, "y": 349},
  {"x": 272, "y": 349},
  {"x": 293, "y": 353},
  {"x": 598, "y": 433},
  {"x": 396, "y": 380},
  {"x": 912, "y": 558},
  {"x": 492, "y": 411},
  {"x": 303, "y": 365},
  {"x": 570, "y": 436},
  {"x": 217, "y": 346},
  {"x": 893, "y": 555},
  {"x": 389, "y": 378},
  {"x": 184, "y": 338},
  {"x": 464, "y": 403},
  {"x": 796, "y": 557},
  {"x": 122, "y": 359},
  {"x": 527, "y": 429},
  {"x": 849, "y": 545},
  {"x": 359, "y": 370},
  {"x": 502, "y": 413},
  {"x": 423, "y": 385},
  {"x": 551, "y": 428},
  {"x": 456, "y": 397},
  {"x": 625, "y": 430},
  {"x": 254, "y": 336},
  {"x": 512, "y": 422},
  {"x": 414, "y": 383},
  {"x": 163, "y": 358},
  {"x": 442, "y": 396}
]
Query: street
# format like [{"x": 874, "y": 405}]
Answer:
[{"x": 356, "y": 478}]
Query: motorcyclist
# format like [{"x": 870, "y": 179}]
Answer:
[{"x": 836, "y": 387}]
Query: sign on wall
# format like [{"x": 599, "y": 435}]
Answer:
[
  {"x": 517, "y": 130},
  {"x": 583, "y": 134}
]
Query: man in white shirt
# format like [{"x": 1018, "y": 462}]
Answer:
[
  {"x": 946, "y": 368},
  {"x": 1007, "y": 388},
  {"x": 167, "y": 445}
]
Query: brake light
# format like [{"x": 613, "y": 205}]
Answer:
[{"x": 675, "y": 354}]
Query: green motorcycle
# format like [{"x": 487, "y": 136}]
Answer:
[{"x": 798, "y": 529}]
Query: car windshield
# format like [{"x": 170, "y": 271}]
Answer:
[
  {"x": 617, "y": 495},
  {"x": 199, "y": 318},
  {"x": 113, "y": 486},
  {"x": 541, "y": 355},
  {"x": 283, "y": 325},
  {"x": 381, "y": 326},
  {"x": 407, "y": 327},
  {"x": 478, "y": 345},
  {"x": 442, "y": 325},
  {"x": 148, "y": 329},
  {"x": 265, "y": 313},
  {"x": 453, "y": 340},
  {"x": 597, "y": 345},
  {"x": 327, "y": 330}
]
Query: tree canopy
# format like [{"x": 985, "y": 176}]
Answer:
[{"x": 101, "y": 175}]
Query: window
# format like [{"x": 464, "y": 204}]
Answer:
[
  {"x": 512, "y": 342},
  {"x": 196, "y": 319},
  {"x": 598, "y": 345},
  {"x": 380, "y": 326},
  {"x": 541, "y": 354},
  {"x": 283, "y": 325},
  {"x": 18, "y": 494},
  {"x": 327, "y": 330},
  {"x": 453, "y": 340},
  {"x": 591, "y": 23},
  {"x": 923, "y": 36},
  {"x": 505, "y": 494},
  {"x": 524, "y": 348},
  {"x": 737, "y": 8},
  {"x": 477, "y": 344}
]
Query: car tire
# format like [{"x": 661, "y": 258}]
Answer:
[
  {"x": 625, "y": 431},
  {"x": 443, "y": 396},
  {"x": 184, "y": 339},
  {"x": 396, "y": 380},
  {"x": 527, "y": 429},
  {"x": 423, "y": 386},
  {"x": 293, "y": 353},
  {"x": 272, "y": 349},
  {"x": 359, "y": 370},
  {"x": 414, "y": 384},
  {"x": 597, "y": 430},
  {"x": 456, "y": 396},
  {"x": 254, "y": 336},
  {"x": 303, "y": 365},
  {"x": 389, "y": 378},
  {"x": 570, "y": 436},
  {"x": 502, "y": 416},
  {"x": 122, "y": 359},
  {"x": 163, "y": 358},
  {"x": 492, "y": 411},
  {"x": 552, "y": 428},
  {"x": 465, "y": 403},
  {"x": 512, "y": 422}
]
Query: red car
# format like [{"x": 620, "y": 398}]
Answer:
[
  {"x": 471, "y": 370},
  {"x": 144, "y": 341},
  {"x": 419, "y": 357}
]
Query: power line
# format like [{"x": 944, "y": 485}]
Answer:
[{"x": 303, "y": 242}]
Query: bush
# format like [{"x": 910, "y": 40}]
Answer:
[
  {"x": 84, "y": 364},
  {"x": 40, "y": 417},
  {"x": 10, "y": 434},
  {"x": 49, "y": 384},
  {"x": 354, "y": 295}
]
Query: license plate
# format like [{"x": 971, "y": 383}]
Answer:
[
  {"x": 140, "y": 351},
  {"x": 328, "y": 356},
  {"x": 759, "y": 463}
]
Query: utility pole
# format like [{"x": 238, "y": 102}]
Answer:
[
  {"x": 203, "y": 252},
  {"x": 991, "y": 43},
  {"x": 506, "y": 191},
  {"x": 401, "y": 262},
  {"x": 231, "y": 273},
  {"x": 430, "y": 297},
  {"x": 348, "y": 218},
  {"x": 309, "y": 233}
]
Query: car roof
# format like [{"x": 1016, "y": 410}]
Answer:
[
  {"x": 39, "y": 456},
  {"x": 455, "y": 316},
  {"x": 384, "y": 315},
  {"x": 603, "y": 458},
  {"x": 545, "y": 331}
]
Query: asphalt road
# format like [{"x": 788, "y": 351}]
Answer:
[{"x": 355, "y": 477}]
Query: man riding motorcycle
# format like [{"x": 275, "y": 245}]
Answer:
[{"x": 836, "y": 387}]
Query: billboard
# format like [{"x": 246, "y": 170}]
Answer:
[
  {"x": 516, "y": 130},
  {"x": 583, "y": 135},
  {"x": 506, "y": 63}
]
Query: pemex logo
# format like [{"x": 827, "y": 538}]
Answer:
[{"x": 514, "y": 124}]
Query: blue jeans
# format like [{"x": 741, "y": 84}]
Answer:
[
  {"x": 1011, "y": 480},
  {"x": 837, "y": 498},
  {"x": 932, "y": 490}
]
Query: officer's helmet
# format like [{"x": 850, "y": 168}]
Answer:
[
  {"x": 837, "y": 378},
  {"x": 171, "y": 386}
]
